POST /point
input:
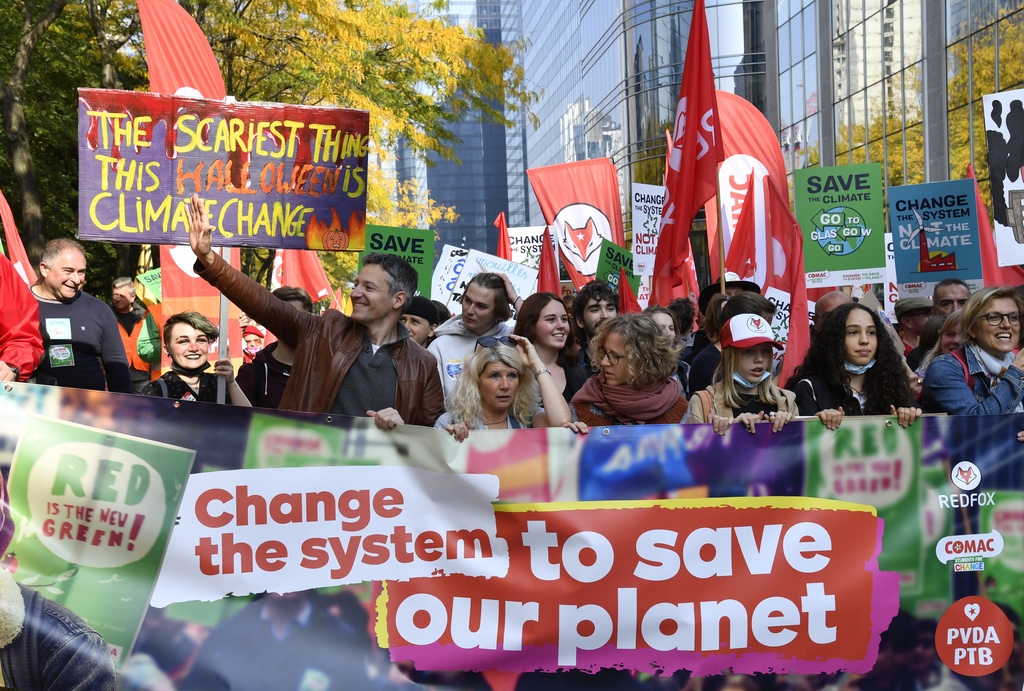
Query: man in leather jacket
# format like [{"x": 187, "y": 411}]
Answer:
[{"x": 363, "y": 365}]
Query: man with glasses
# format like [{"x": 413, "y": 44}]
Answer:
[
  {"x": 950, "y": 295},
  {"x": 485, "y": 309}
]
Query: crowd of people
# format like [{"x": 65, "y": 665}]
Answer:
[{"x": 509, "y": 361}]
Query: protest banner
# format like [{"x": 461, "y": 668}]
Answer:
[
  {"x": 449, "y": 266},
  {"x": 944, "y": 213},
  {"x": 151, "y": 282},
  {"x": 1002, "y": 131},
  {"x": 647, "y": 201},
  {"x": 892, "y": 293},
  {"x": 843, "y": 222},
  {"x": 94, "y": 513},
  {"x": 526, "y": 244},
  {"x": 612, "y": 259},
  {"x": 659, "y": 498},
  {"x": 271, "y": 175},
  {"x": 524, "y": 279},
  {"x": 414, "y": 245}
]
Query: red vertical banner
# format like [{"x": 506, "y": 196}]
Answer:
[
  {"x": 742, "y": 257},
  {"x": 177, "y": 53},
  {"x": 15, "y": 249},
  {"x": 301, "y": 269},
  {"x": 547, "y": 277},
  {"x": 581, "y": 202},
  {"x": 692, "y": 170},
  {"x": 504, "y": 241}
]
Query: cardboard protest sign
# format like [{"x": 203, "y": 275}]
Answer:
[
  {"x": 414, "y": 245},
  {"x": 843, "y": 222},
  {"x": 944, "y": 214},
  {"x": 612, "y": 259},
  {"x": 526, "y": 244},
  {"x": 449, "y": 266},
  {"x": 647, "y": 201},
  {"x": 524, "y": 279},
  {"x": 95, "y": 510},
  {"x": 1003, "y": 131},
  {"x": 271, "y": 175}
]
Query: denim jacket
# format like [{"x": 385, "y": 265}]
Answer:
[{"x": 946, "y": 390}]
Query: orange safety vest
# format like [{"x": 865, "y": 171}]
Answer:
[{"x": 131, "y": 345}]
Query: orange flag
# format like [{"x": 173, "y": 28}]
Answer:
[
  {"x": 177, "y": 53},
  {"x": 627, "y": 298},
  {"x": 301, "y": 269},
  {"x": 504, "y": 241},
  {"x": 547, "y": 277}
]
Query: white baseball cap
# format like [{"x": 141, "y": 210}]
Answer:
[{"x": 746, "y": 330}]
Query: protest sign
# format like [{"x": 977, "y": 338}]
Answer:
[
  {"x": 524, "y": 279},
  {"x": 151, "y": 283},
  {"x": 95, "y": 510},
  {"x": 944, "y": 213},
  {"x": 612, "y": 259},
  {"x": 526, "y": 243},
  {"x": 1003, "y": 131},
  {"x": 892, "y": 293},
  {"x": 647, "y": 201},
  {"x": 842, "y": 219},
  {"x": 449, "y": 266},
  {"x": 271, "y": 175},
  {"x": 414, "y": 245},
  {"x": 617, "y": 487}
]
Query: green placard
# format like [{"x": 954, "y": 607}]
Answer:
[
  {"x": 612, "y": 259},
  {"x": 843, "y": 221},
  {"x": 152, "y": 283},
  {"x": 415, "y": 245},
  {"x": 93, "y": 512}
]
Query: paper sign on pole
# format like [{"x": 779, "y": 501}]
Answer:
[
  {"x": 526, "y": 243},
  {"x": 647, "y": 201},
  {"x": 446, "y": 272},
  {"x": 524, "y": 279}
]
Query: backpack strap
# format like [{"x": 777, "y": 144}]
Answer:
[
  {"x": 961, "y": 356},
  {"x": 706, "y": 402},
  {"x": 163, "y": 387}
]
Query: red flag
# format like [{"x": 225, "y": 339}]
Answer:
[
  {"x": 15, "y": 249},
  {"x": 627, "y": 298},
  {"x": 547, "y": 277},
  {"x": 992, "y": 273},
  {"x": 504, "y": 241},
  {"x": 789, "y": 277},
  {"x": 301, "y": 269},
  {"x": 692, "y": 167},
  {"x": 183, "y": 291},
  {"x": 581, "y": 201},
  {"x": 177, "y": 52},
  {"x": 742, "y": 259}
]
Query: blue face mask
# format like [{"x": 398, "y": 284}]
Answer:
[
  {"x": 858, "y": 369},
  {"x": 749, "y": 385}
]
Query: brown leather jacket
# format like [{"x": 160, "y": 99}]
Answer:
[{"x": 325, "y": 348}]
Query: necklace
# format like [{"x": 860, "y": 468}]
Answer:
[{"x": 503, "y": 421}]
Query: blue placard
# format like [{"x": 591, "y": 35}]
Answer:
[{"x": 946, "y": 214}]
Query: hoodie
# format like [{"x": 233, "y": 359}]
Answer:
[
  {"x": 452, "y": 344},
  {"x": 263, "y": 380}
]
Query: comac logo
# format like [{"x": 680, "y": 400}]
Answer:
[{"x": 966, "y": 476}]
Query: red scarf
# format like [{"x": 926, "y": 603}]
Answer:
[{"x": 627, "y": 403}]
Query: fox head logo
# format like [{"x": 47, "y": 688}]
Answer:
[
  {"x": 579, "y": 229},
  {"x": 966, "y": 474}
]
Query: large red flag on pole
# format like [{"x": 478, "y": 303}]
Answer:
[
  {"x": 301, "y": 269},
  {"x": 785, "y": 231},
  {"x": 504, "y": 241},
  {"x": 692, "y": 167},
  {"x": 992, "y": 274},
  {"x": 15, "y": 249},
  {"x": 177, "y": 52},
  {"x": 580, "y": 200},
  {"x": 547, "y": 276},
  {"x": 742, "y": 258}
]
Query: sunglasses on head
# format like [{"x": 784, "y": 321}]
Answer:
[{"x": 491, "y": 341}]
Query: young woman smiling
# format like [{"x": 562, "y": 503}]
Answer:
[{"x": 543, "y": 320}]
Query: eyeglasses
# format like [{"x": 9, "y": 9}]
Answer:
[
  {"x": 613, "y": 358},
  {"x": 996, "y": 318},
  {"x": 491, "y": 341}
]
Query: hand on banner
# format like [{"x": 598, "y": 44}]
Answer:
[
  {"x": 905, "y": 416},
  {"x": 779, "y": 419},
  {"x": 387, "y": 418},
  {"x": 200, "y": 232},
  {"x": 831, "y": 418},
  {"x": 459, "y": 430},
  {"x": 581, "y": 427}
]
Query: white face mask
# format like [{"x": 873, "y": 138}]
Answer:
[
  {"x": 747, "y": 384},
  {"x": 858, "y": 369}
]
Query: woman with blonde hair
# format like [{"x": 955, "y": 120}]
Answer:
[
  {"x": 503, "y": 387},
  {"x": 635, "y": 385},
  {"x": 743, "y": 392}
]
